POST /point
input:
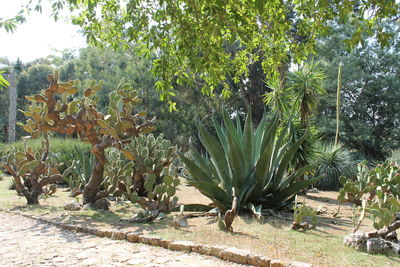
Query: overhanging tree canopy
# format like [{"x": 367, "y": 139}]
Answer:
[{"x": 190, "y": 37}]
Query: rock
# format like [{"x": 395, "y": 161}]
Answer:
[
  {"x": 102, "y": 203},
  {"x": 377, "y": 245},
  {"x": 313, "y": 190},
  {"x": 392, "y": 237},
  {"x": 181, "y": 245},
  {"x": 360, "y": 241},
  {"x": 118, "y": 235},
  {"x": 202, "y": 249},
  {"x": 180, "y": 221},
  {"x": 132, "y": 237},
  {"x": 149, "y": 240},
  {"x": 215, "y": 250},
  {"x": 69, "y": 227},
  {"x": 234, "y": 255},
  {"x": 357, "y": 240},
  {"x": 395, "y": 248},
  {"x": 258, "y": 260},
  {"x": 73, "y": 206},
  {"x": 163, "y": 243}
]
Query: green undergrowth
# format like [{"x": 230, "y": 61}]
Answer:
[{"x": 57, "y": 145}]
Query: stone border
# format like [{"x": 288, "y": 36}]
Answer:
[{"x": 229, "y": 254}]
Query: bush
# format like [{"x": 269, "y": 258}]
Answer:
[
  {"x": 58, "y": 109},
  {"x": 334, "y": 161},
  {"x": 254, "y": 163}
]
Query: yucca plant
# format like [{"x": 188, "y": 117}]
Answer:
[
  {"x": 334, "y": 161},
  {"x": 254, "y": 163}
]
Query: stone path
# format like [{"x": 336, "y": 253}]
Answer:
[{"x": 26, "y": 242}]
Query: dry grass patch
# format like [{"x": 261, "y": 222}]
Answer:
[{"x": 271, "y": 237}]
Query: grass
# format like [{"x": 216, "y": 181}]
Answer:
[
  {"x": 271, "y": 237},
  {"x": 57, "y": 144}
]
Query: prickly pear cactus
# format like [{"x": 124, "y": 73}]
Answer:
[
  {"x": 117, "y": 173},
  {"x": 301, "y": 211},
  {"x": 150, "y": 156},
  {"x": 78, "y": 174},
  {"x": 353, "y": 191},
  {"x": 160, "y": 196},
  {"x": 378, "y": 191},
  {"x": 32, "y": 171},
  {"x": 59, "y": 109}
]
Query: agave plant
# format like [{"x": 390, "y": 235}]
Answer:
[
  {"x": 254, "y": 163},
  {"x": 78, "y": 173}
]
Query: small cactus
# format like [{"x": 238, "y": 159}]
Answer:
[
  {"x": 32, "y": 171},
  {"x": 377, "y": 190},
  {"x": 301, "y": 211}
]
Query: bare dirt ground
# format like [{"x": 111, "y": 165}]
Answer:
[{"x": 26, "y": 242}]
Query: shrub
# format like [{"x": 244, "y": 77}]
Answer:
[
  {"x": 254, "y": 163},
  {"x": 59, "y": 146}
]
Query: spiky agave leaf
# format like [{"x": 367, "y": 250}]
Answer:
[{"x": 254, "y": 163}]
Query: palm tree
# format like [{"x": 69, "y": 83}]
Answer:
[{"x": 306, "y": 84}]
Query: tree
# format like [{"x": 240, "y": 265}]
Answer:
[
  {"x": 370, "y": 92},
  {"x": 191, "y": 37},
  {"x": 306, "y": 84},
  {"x": 12, "y": 111},
  {"x": 56, "y": 110}
]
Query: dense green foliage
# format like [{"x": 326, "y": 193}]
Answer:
[
  {"x": 370, "y": 112},
  {"x": 253, "y": 162},
  {"x": 275, "y": 33}
]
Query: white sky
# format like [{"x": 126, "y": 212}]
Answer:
[{"x": 39, "y": 36}]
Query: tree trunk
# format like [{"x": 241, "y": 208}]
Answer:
[
  {"x": 93, "y": 186},
  {"x": 32, "y": 199},
  {"x": 12, "y": 112}
]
